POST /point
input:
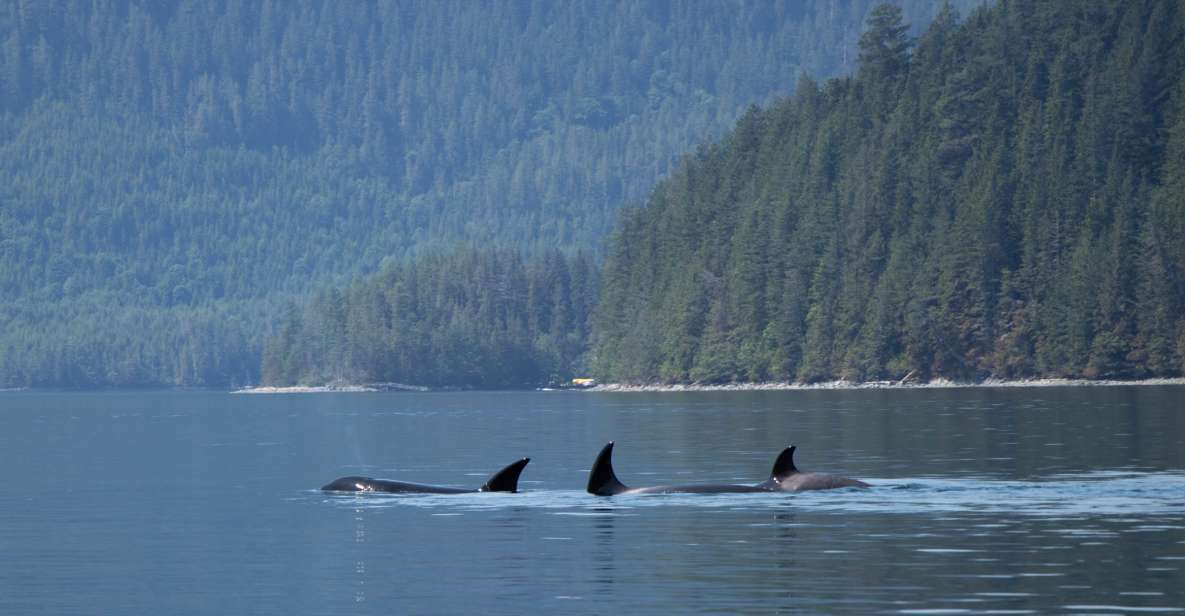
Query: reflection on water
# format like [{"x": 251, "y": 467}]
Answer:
[
  {"x": 984, "y": 501},
  {"x": 605, "y": 546},
  {"x": 359, "y": 565}
]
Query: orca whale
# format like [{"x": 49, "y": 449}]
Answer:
[
  {"x": 505, "y": 480},
  {"x": 785, "y": 477}
]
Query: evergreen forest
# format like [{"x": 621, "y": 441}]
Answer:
[
  {"x": 467, "y": 318},
  {"x": 1003, "y": 196},
  {"x": 173, "y": 173}
]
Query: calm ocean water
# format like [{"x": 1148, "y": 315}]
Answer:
[{"x": 1042, "y": 500}]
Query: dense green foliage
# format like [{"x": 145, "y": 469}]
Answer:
[
  {"x": 1004, "y": 197},
  {"x": 171, "y": 172},
  {"x": 466, "y": 319}
]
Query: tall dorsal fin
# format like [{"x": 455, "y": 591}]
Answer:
[
  {"x": 601, "y": 480},
  {"x": 784, "y": 465},
  {"x": 505, "y": 480}
]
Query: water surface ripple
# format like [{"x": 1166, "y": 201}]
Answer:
[{"x": 1017, "y": 501}]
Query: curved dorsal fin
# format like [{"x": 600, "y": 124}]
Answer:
[
  {"x": 601, "y": 480},
  {"x": 505, "y": 480},
  {"x": 784, "y": 465}
]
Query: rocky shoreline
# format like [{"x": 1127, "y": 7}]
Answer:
[
  {"x": 771, "y": 386},
  {"x": 829, "y": 385},
  {"x": 332, "y": 388}
]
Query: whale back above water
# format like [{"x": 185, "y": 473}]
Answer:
[
  {"x": 785, "y": 477},
  {"x": 505, "y": 480}
]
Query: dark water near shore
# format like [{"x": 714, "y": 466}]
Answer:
[{"x": 1043, "y": 500}]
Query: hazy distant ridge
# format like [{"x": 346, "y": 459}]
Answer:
[{"x": 171, "y": 172}]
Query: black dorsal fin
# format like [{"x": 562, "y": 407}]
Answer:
[
  {"x": 505, "y": 480},
  {"x": 601, "y": 480},
  {"x": 784, "y": 465}
]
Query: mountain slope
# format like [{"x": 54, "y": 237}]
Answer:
[
  {"x": 1002, "y": 198},
  {"x": 172, "y": 172}
]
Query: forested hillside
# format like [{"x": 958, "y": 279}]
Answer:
[
  {"x": 171, "y": 172},
  {"x": 485, "y": 319},
  {"x": 1004, "y": 197}
]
